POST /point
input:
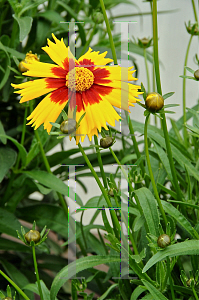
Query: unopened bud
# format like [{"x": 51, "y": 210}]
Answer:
[
  {"x": 154, "y": 102},
  {"x": 164, "y": 240},
  {"x": 32, "y": 235}
]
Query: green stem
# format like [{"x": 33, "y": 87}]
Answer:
[
  {"x": 194, "y": 11},
  {"x": 147, "y": 71},
  {"x": 184, "y": 92},
  {"x": 159, "y": 90},
  {"x": 109, "y": 32},
  {"x": 100, "y": 162},
  {"x": 151, "y": 172},
  {"x": 88, "y": 41},
  {"x": 136, "y": 148},
  {"x": 37, "y": 273},
  {"x": 14, "y": 285},
  {"x": 194, "y": 292},
  {"x": 116, "y": 225},
  {"x": 170, "y": 279}
]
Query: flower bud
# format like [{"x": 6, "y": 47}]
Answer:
[
  {"x": 196, "y": 74},
  {"x": 154, "y": 102},
  {"x": 98, "y": 17},
  {"x": 110, "y": 192},
  {"x": 106, "y": 142},
  {"x": 68, "y": 126},
  {"x": 190, "y": 282},
  {"x": 144, "y": 43},
  {"x": 163, "y": 240},
  {"x": 32, "y": 235},
  {"x": 7, "y": 298},
  {"x": 28, "y": 60}
]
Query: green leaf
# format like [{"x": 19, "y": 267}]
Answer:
[
  {"x": 19, "y": 278},
  {"x": 21, "y": 148},
  {"x": 172, "y": 211},
  {"x": 164, "y": 159},
  {"x": 149, "y": 206},
  {"x": 8, "y": 245},
  {"x": 77, "y": 266},
  {"x": 45, "y": 214},
  {"x": 34, "y": 288},
  {"x": 25, "y": 24},
  {"x": 190, "y": 70},
  {"x": 7, "y": 160},
  {"x": 184, "y": 248},
  {"x": 137, "y": 292},
  {"x": 165, "y": 96},
  {"x": 4, "y": 140},
  {"x": 8, "y": 223},
  {"x": 112, "y": 287},
  {"x": 5, "y": 64},
  {"x": 153, "y": 291}
]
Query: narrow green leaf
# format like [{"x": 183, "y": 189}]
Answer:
[
  {"x": 190, "y": 70},
  {"x": 137, "y": 292},
  {"x": 7, "y": 160},
  {"x": 153, "y": 291},
  {"x": 112, "y": 287},
  {"x": 184, "y": 248},
  {"x": 165, "y": 96},
  {"x": 149, "y": 206},
  {"x": 25, "y": 24},
  {"x": 5, "y": 63},
  {"x": 9, "y": 223},
  {"x": 180, "y": 218},
  {"x": 77, "y": 266},
  {"x": 3, "y": 139}
]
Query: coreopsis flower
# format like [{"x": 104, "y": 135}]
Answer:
[{"x": 88, "y": 84}]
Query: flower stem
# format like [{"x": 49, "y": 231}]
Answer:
[
  {"x": 14, "y": 285},
  {"x": 88, "y": 41},
  {"x": 109, "y": 32},
  {"x": 170, "y": 279},
  {"x": 100, "y": 162},
  {"x": 147, "y": 71},
  {"x": 151, "y": 172},
  {"x": 184, "y": 92},
  {"x": 37, "y": 273},
  {"x": 116, "y": 225},
  {"x": 159, "y": 90},
  {"x": 194, "y": 11}
]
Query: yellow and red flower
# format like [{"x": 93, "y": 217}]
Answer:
[{"x": 87, "y": 83}]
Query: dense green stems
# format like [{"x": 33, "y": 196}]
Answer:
[
  {"x": 194, "y": 11},
  {"x": 116, "y": 224},
  {"x": 170, "y": 279},
  {"x": 159, "y": 90},
  {"x": 109, "y": 32},
  {"x": 14, "y": 285},
  {"x": 37, "y": 273},
  {"x": 100, "y": 162},
  {"x": 147, "y": 71},
  {"x": 88, "y": 41},
  {"x": 151, "y": 172},
  {"x": 184, "y": 92}
]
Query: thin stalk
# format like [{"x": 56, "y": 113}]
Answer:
[
  {"x": 37, "y": 273},
  {"x": 116, "y": 225},
  {"x": 194, "y": 11},
  {"x": 170, "y": 279},
  {"x": 100, "y": 162},
  {"x": 194, "y": 292},
  {"x": 159, "y": 90},
  {"x": 88, "y": 41},
  {"x": 147, "y": 71},
  {"x": 184, "y": 92},
  {"x": 136, "y": 148},
  {"x": 109, "y": 32},
  {"x": 14, "y": 285},
  {"x": 151, "y": 172}
]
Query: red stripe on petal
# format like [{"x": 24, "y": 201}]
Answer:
[
  {"x": 55, "y": 82},
  {"x": 99, "y": 80},
  {"x": 102, "y": 90},
  {"x": 60, "y": 72},
  {"x": 60, "y": 95},
  {"x": 87, "y": 63},
  {"x": 101, "y": 73},
  {"x": 67, "y": 65},
  {"x": 76, "y": 100},
  {"x": 91, "y": 96}
]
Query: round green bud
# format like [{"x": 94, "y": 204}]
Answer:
[
  {"x": 32, "y": 235},
  {"x": 106, "y": 142},
  {"x": 68, "y": 126},
  {"x": 98, "y": 17},
  {"x": 164, "y": 240},
  {"x": 154, "y": 102},
  {"x": 196, "y": 74}
]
